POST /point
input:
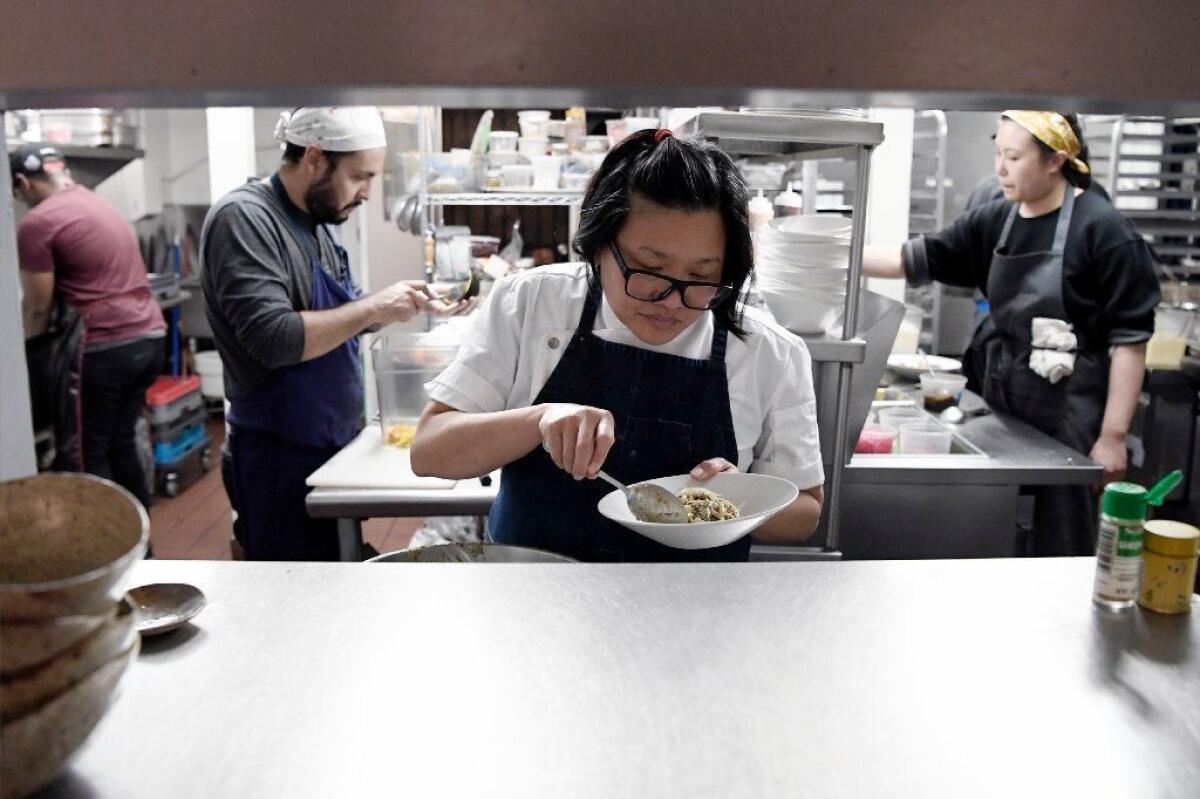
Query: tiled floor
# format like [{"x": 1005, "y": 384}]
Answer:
[{"x": 196, "y": 525}]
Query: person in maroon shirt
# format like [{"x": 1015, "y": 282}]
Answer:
[{"x": 77, "y": 246}]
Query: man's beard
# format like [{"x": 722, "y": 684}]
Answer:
[{"x": 322, "y": 204}]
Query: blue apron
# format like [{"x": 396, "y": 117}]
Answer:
[
  {"x": 283, "y": 432},
  {"x": 671, "y": 413},
  {"x": 317, "y": 403}
]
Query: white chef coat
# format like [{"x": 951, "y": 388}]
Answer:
[{"x": 523, "y": 328}]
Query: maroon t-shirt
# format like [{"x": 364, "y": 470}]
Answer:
[{"x": 97, "y": 265}]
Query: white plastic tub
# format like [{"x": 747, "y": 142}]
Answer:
[{"x": 212, "y": 374}]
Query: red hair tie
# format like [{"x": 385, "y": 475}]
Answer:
[{"x": 662, "y": 134}]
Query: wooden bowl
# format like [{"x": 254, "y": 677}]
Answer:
[
  {"x": 37, "y": 746},
  {"x": 67, "y": 542},
  {"x": 29, "y": 690},
  {"x": 32, "y": 643}
]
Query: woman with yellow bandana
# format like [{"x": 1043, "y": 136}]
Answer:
[{"x": 1072, "y": 291}]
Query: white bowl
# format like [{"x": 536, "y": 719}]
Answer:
[
  {"x": 812, "y": 314},
  {"x": 758, "y": 497},
  {"x": 912, "y": 365},
  {"x": 793, "y": 276},
  {"x": 812, "y": 225}
]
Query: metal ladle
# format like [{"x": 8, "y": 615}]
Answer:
[
  {"x": 651, "y": 503},
  {"x": 162, "y": 607},
  {"x": 647, "y": 502}
]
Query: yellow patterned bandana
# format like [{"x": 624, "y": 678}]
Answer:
[{"x": 1053, "y": 130}]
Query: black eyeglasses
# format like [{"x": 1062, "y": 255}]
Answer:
[{"x": 653, "y": 287}]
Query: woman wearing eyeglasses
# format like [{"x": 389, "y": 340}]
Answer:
[{"x": 639, "y": 360}]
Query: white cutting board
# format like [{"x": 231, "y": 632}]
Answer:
[{"x": 366, "y": 463}]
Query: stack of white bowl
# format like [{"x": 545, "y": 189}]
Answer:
[
  {"x": 67, "y": 543},
  {"x": 800, "y": 263}
]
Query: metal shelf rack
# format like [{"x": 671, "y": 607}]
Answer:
[
  {"x": 1151, "y": 168},
  {"x": 503, "y": 198},
  {"x": 804, "y": 138}
]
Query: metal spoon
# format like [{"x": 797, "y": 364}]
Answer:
[
  {"x": 651, "y": 503},
  {"x": 161, "y": 607},
  {"x": 647, "y": 502}
]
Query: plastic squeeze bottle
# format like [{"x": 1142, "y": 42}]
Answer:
[
  {"x": 761, "y": 211},
  {"x": 789, "y": 203},
  {"x": 1119, "y": 544}
]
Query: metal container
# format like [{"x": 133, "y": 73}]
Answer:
[{"x": 471, "y": 553}]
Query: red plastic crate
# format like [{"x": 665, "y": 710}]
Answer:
[{"x": 167, "y": 389}]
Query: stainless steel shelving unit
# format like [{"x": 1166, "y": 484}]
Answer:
[
  {"x": 1151, "y": 167},
  {"x": 503, "y": 198},
  {"x": 805, "y": 138}
]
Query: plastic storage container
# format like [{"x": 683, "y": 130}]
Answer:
[
  {"x": 894, "y": 417},
  {"x": 1168, "y": 345},
  {"x": 212, "y": 374},
  {"x": 534, "y": 123},
  {"x": 925, "y": 438},
  {"x": 162, "y": 433},
  {"x": 502, "y": 141},
  {"x": 170, "y": 398},
  {"x": 940, "y": 391},
  {"x": 876, "y": 439},
  {"x": 403, "y": 363}
]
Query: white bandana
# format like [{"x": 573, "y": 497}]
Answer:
[{"x": 340, "y": 129}]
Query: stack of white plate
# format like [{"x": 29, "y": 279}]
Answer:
[{"x": 801, "y": 264}]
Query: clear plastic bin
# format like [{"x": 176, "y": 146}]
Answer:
[
  {"x": 894, "y": 417},
  {"x": 403, "y": 363},
  {"x": 925, "y": 438}
]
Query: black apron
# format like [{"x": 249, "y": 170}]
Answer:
[
  {"x": 1021, "y": 287},
  {"x": 671, "y": 413}
]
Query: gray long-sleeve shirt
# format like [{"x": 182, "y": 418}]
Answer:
[{"x": 257, "y": 278}]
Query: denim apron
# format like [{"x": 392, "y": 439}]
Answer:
[
  {"x": 284, "y": 431},
  {"x": 671, "y": 413},
  {"x": 1021, "y": 287}
]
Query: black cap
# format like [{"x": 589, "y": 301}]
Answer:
[{"x": 32, "y": 159}]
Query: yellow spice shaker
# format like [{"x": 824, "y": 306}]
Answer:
[{"x": 1170, "y": 553}]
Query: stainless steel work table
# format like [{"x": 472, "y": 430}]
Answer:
[
  {"x": 892, "y": 506},
  {"x": 901, "y": 679},
  {"x": 351, "y": 505},
  {"x": 954, "y": 506}
]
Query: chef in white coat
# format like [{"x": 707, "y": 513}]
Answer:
[{"x": 640, "y": 360}]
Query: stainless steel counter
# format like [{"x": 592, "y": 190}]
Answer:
[
  {"x": 893, "y": 506},
  {"x": 899, "y": 679},
  {"x": 1017, "y": 454}
]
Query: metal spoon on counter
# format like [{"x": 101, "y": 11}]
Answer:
[{"x": 162, "y": 607}]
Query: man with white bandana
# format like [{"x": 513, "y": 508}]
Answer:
[{"x": 286, "y": 317}]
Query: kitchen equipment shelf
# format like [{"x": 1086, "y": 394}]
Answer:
[
  {"x": 503, "y": 198},
  {"x": 812, "y": 138},
  {"x": 1150, "y": 167}
]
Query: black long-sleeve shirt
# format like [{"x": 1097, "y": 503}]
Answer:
[
  {"x": 256, "y": 280},
  {"x": 1109, "y": 286}
]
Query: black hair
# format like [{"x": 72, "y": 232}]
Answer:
[
  {"x": 684, "y": 174},
  {"x": 292, "y": 153},
  {"x": 1080, "y": 180}
]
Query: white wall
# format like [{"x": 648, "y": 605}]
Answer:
[
  {"x": 230, "y": 148},
  {"x": 16, "y": 420},
  {"x": 888, "y": 190}
]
